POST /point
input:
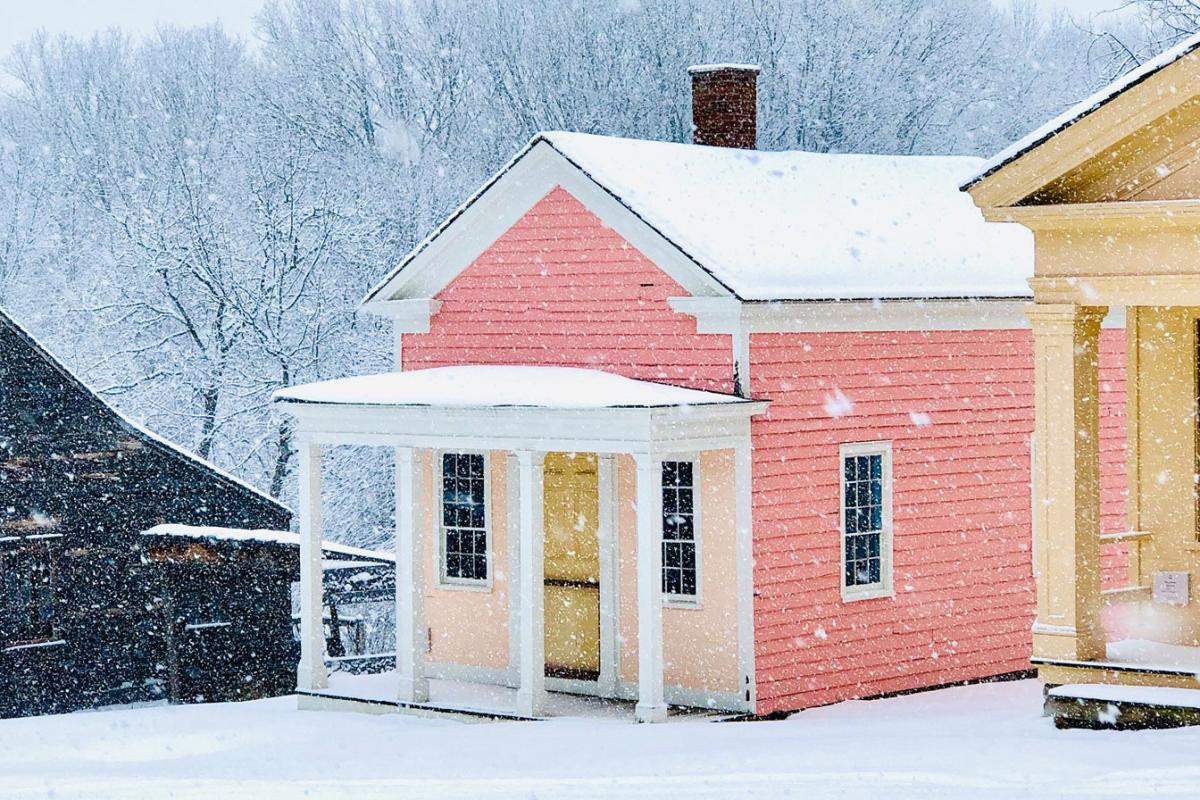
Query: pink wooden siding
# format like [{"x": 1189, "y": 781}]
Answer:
[
  {"x": 561, "y": 289},
  {"x": 964, "y": 596}
]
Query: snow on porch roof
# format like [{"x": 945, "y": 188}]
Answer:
[
  {"x": 795, "y": 225},
  {"x": 260, "y": 536},
  {"x": 501, "y": 387}
]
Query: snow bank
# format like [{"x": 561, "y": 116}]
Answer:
[{"x": 985, "y": 742}]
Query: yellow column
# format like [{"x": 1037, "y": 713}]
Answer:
[{"x": 1066, "y": 516}]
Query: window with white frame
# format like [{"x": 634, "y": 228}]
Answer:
[
  {"x": 464, "y": 518},
  {"x": 679, "y": 529},
  {"x": 866, "y": 519}
]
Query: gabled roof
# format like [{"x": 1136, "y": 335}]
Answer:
[
  {"x": 1082, "y": 109},
  {"x": 787, "y": 225},
  {"x": 135, "y": 429}
]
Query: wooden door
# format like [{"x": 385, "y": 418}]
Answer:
[{"x": 572, "y": 566}]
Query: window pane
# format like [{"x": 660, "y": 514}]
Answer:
[
  {"x": 876, "y": 467},
  {"x": 679, "y": 556}
]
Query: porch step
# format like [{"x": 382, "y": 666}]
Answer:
[{"x": 1118, "y": 707}]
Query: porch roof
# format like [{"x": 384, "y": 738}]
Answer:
[
  {"x": 517, "y": 408},
  {"x": 487, "y": 386}
]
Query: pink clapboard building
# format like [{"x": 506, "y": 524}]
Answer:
[{"x": 702, "y": 425}]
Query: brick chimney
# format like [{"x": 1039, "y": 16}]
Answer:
[{"x": 725, "y": 105}]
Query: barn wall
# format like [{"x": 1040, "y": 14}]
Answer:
[
  {"x": 72, "y": 470},
  {"x": 964, "y": 596}
]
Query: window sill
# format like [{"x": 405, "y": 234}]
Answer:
[
  {"x": 481, "y": 587},
  {"x": 686, "y": 603},
  {"x": 867, "y": 593}
]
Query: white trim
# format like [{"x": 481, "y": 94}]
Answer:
[
  {"x": 499, "y": 204},
  {"x": 651, "y": 705},
  {"x": 610, "y": 606},
  {"x": 885, "y": 587},
  {"x": 738, "y": 318},
  {"x": 664, "y": 431},
  {"x": 691, "y": 602},
  {"x": 512, "y": 502},
  {"x": 743, "y": 482},
  {"x": 441, "y": 579},
  {"x": 532, "y": 664},
  {"x": 310, "y": 673},
  {"x": 408, "y": 316},
  {"x": 411, "y": 631}
]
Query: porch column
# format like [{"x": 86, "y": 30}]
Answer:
[
  {"x": 311, "y": 672},
  {"x": 651, "y": 705},
  {"x": 743, "y": 516},
  {"x": 1066, "y": 511},
  {"x": 532, "y": 637},
  {"x": 410, "y": 583}
]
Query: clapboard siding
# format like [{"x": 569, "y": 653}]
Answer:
[
  {"x": 964, "y": 593},
  {"x": 559, "y": 288}
]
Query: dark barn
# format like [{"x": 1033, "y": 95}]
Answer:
[{"x": 90, "y": 613}]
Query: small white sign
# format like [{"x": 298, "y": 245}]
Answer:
[{"x": 1170, "y": 588}]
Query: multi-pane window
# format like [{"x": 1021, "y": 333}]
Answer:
[
  {"x": 26, "y": 595},
  {"x": 679, "y": 529},
  {"x": 866, "y": 512},
  {"x": 464, "y": 518}
]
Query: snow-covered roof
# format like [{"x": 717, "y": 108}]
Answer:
[
  {"x": 133, "y": 426},
  {"x": 501, "y": 387},
  {"x": 216, "y": 533},
  {"x": 1082, "y": 109},
  {"x": 794, "y": 225},
  {"x": 813, "y": 226}
]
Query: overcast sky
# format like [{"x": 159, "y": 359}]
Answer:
[{"x": 20, "y": 18}]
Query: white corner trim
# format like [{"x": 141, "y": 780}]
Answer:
[
  {"x": 739, "y": 318},
  {"x": 408, "y": 316},
  {"x": 484, "y": 218}
]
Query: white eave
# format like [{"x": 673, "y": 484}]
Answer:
[{"x": 517, "y": 407}]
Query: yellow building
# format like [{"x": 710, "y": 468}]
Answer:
[{"x": 1111, "y": 191}]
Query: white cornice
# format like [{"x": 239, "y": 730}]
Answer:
[
  {"x": 408, "y": 316},
  {"x": 731, "y": 316}
]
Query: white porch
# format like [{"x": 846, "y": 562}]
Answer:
[{"x": 525, "y": 413}]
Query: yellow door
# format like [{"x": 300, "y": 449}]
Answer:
[{"x": 572, "y": 569}]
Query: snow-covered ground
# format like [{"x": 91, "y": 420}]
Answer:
[{"x": 975, "y": 741}]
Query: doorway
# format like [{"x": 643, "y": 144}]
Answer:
[{"x": 572, "y": 565}]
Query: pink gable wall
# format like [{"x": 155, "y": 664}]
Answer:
[
  {"x": 559, "y": 288},
  {"x": 964, "y": 596}
]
